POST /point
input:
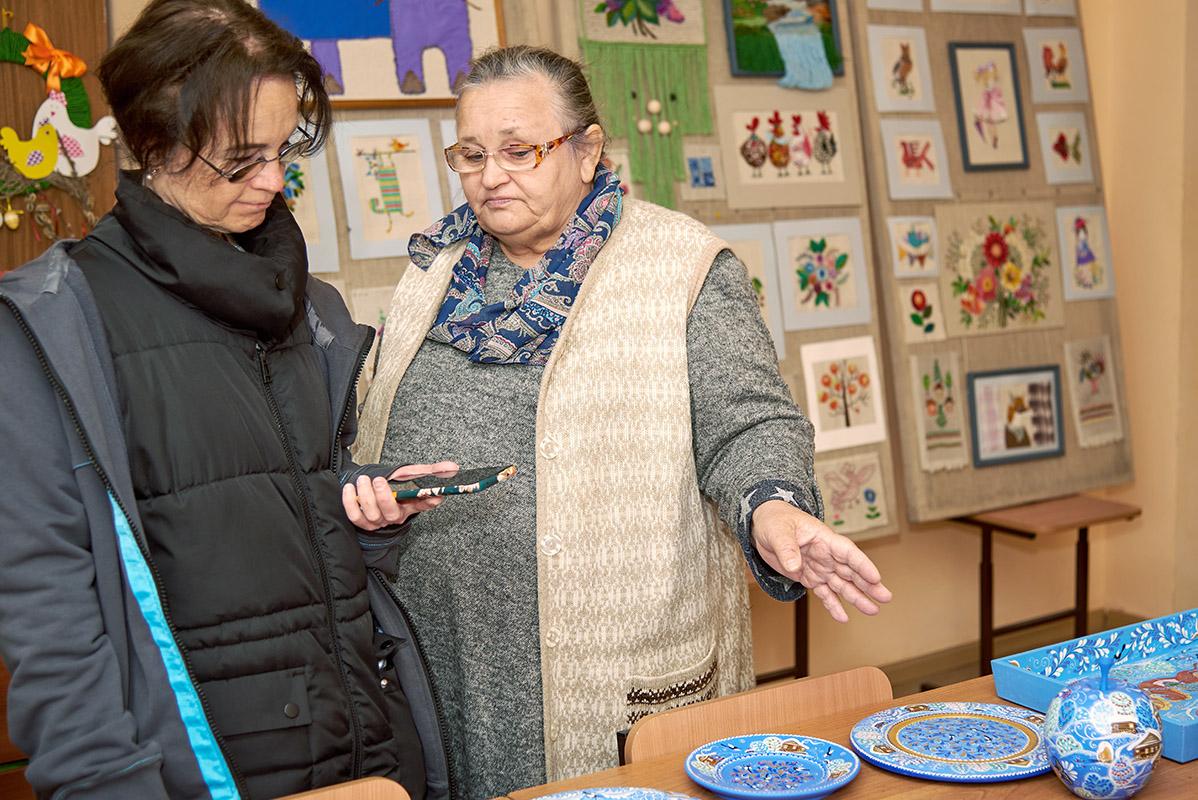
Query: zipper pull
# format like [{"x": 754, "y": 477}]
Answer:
[{"x": 263, "y": 366}]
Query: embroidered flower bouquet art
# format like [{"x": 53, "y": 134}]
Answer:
[{"x": 1000, "y": 269}]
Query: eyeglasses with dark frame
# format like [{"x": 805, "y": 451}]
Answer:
[
  {"x": 244, "y": 172},
  {"x": 510, "y": 158}
]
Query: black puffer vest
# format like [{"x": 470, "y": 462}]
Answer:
[{"x": 226, "y": 410}]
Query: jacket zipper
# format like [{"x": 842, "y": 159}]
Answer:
[
  {"x": 363, "y": 352},
  {"x": 437, "y": 709},
  {"x": 318, "y": 552},
  {"x": 61, "y": 391}
]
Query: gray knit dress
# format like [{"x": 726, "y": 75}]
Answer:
[{"x": 468, "y": 571}]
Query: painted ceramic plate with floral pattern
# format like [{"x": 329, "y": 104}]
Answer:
[
  {"x": 774, "y": 765},
  {"x": 956, "y": 742},
  {"x": 617, "y": 793}
]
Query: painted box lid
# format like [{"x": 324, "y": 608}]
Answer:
[{"x": 1159, "y": 655}]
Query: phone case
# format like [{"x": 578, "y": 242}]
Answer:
[{"x": 461, "y": 488}]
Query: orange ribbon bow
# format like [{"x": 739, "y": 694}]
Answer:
[{"x": 48, "y": 60}]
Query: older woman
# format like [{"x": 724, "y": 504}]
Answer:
[
  {"x": 184, "y": 595},
  {"x": 614, "y": 351}
]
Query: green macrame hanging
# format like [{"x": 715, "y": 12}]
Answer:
[{"x": 624, "y": 78}]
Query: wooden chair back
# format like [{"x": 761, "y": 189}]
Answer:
[
  {"x": 363, "y": 789},
  {"x": 766, "y": 709}
]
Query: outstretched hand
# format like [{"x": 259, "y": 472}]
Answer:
[
  {"x": 806, "y": 550},
  {"x": 370, "y": 504}
]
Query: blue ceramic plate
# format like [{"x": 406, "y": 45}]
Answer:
[
  {"x": 615, "y": 793},
  {"x": 775, "y": 765},
  {"x": 956, "y": 742}
]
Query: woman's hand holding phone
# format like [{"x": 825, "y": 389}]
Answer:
[{"x": 370, "y": 503}]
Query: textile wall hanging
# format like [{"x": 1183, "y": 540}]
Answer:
[
  {"x": 374, "y": 53},
  {"x": 786, "y": 149},
  {"x": 823, "y": 273},
  {"x": 1093, "y": 394},
  {"x": 648, "y": 73},
  {"x": 1000, "y": 268},
  {"x": 902, "y": 70},
  {"x": 844, "y": 393},
  {"x": 1056, "y": 65},
  {"x": 389, "y": 181},
  {"x": 308, "y": 193},
  {"x": 754, "y": 246},
  {"x": 895, "y": 5},
  {"x": 978, "y": 267},
  {"x": 704, "y": 172},
  {"x": 855, "y": 494},
  {"x": 798, "y": 40}
]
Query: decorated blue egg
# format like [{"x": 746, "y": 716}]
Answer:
[{"x": 1103, "y": 736}]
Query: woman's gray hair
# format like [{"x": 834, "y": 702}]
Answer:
[{"x": 574, "y": 106}]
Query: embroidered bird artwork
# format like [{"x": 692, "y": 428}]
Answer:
[
  {"x": 779, "y": 149},
  {"x": 900, "y": 73},
  {"x": 825, "y": 143},
  {"x": 915, "y": 246},
  {"x": 846, "y": 484},
  {"x": 800, "y": 146},
  {"x": 753, "y": 149},
  {"x": 79, "y": 150},
  {"x": 914, "y": 155},
  {"x": 34, "y": 158}
]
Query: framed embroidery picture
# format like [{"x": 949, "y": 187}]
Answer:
[
  {"x": 1056, "y": 65},
  {"x": 854, "y": 492},
  {"x": 999, "y": 269},
  {"x": 389, "y": 179},
  {"x": 913, "y": 246},
  {"x": 1086, "y": 267},
  {"x": 788, "y": 148},
  {"x": 920, "y": 310},
  {"x": 902, "y": 74},
  {"x": 754, "y": 246},
  {"x": 309, "y": 195},
  {"x": 1090, "y": 373},
  {"x": 978, "y": 6},
  {"x": 1050, "y": 8},
  {"x": 1065, "y": 147},
  {"x": 844, "y": 393},
  {"x": 1016, "y": 415},
  {"x": 989, "y": 112},
  {"x": 823, "y": 275},
  {"x": 894, "y": 5},
  {"x": 915, "y": 159},
  {"x": 760, "y": 44},
  {"x": 939, "y": 411},
  {"x": 704, "y": 172},
  {"x": 381, "y": 53}
]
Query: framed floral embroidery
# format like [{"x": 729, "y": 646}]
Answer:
[
  {"x": 902, "y": 74},
  {"x": 1090, "y": 373},
  {"x": 919, "y": 308},
  {"x": 643, "y": 22},
  {"x": 989, "y": 111},
  {"x": 939, "y": 411},
  {"x": 1016, "y": 415},
  {"x": 1065, "y": 147},
  {"x": 1056, "y": 65},
  {"x": 754, "y": 246},
  {"x": 823, "y": 274},
  {"x": 854, "y": 492},
  {"x": 915, "y": 159},
  {"x": 844, "y": 393},
  {"x": 913, "y": 246},
  {"x": 1000, "y": 268},
  {"x": 1086, "y": 267},
  {"x": 309, "y": 195}
]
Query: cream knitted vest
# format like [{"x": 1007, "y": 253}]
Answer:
[{"x": 643, "y": 601}]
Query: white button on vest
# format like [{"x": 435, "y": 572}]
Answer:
[
  {"x": 551, "y": 544},
  {"x": 551, "y": 639},
  {"x": 549, "y": 447}
]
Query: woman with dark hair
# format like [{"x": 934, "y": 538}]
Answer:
[{"x": 191, "y": 593}]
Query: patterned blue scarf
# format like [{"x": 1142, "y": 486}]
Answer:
[{"x": 523, "y": 328}]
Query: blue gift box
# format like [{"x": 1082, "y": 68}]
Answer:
[{"x": 1160, "y": 656}]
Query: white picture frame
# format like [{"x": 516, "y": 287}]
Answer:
[
  {"x": 1050, "y": 8},
  {"x": 753, "y": 244},
  {"x": 1065, "y": 147},
  {"x": 910, "y": 146},
  {"x": 704, "y": 172},
  {"x": 913, "y": 246},
  {"x": 1084, "y": 239},
  {"x": 832, "y": 430},
  {"x": 807, "y": 302},
  {"x": 1066, "y": 81},
  {"x": 894, "y": 5},
  {"x": 313, "y": 211},
  {"x": 449, "y": 137},
  {"x": 888, "y": 61},
  {"x": 361, "y": 143},
  {"x": 979, "y": 6}
]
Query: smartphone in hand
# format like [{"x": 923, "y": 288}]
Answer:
[{"x": 465, "y": 482}]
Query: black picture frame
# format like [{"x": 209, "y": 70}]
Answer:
[
  {"x": 965, "y": 125},
  {"x": 973, "y": 380},
  {"x": 742, "y": 72}
]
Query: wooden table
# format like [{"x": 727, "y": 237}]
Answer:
[
  {"x": 1075, "y": 512},
  {"x": 1169, "y": 779}
]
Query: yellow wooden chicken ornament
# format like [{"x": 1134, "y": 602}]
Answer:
[{"x": 36, "y": 158}]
